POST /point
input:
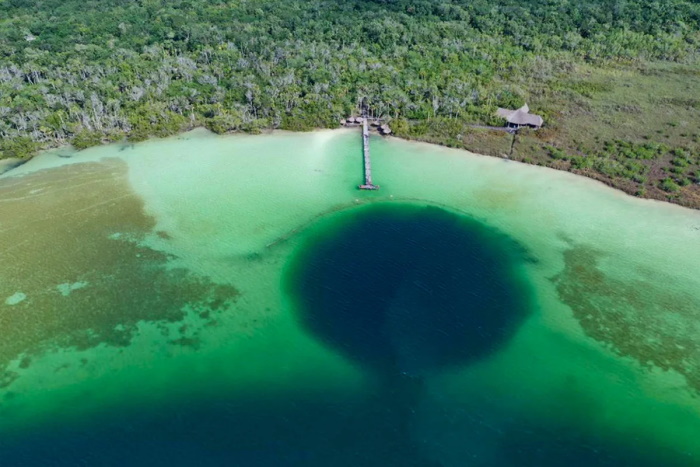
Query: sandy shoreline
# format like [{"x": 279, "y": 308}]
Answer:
[
  {"x": 11, "y": 163},
  {"x": 8, "y": 165}
]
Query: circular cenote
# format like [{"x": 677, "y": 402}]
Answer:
[{"x": 406, "y": 290}]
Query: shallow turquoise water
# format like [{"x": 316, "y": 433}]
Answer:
[{"x": 170, "y": 321}]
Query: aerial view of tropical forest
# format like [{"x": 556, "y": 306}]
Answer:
[{"x": 616, "y": 81}]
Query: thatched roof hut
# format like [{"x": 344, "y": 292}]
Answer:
[{"x": 520, "y": 117}]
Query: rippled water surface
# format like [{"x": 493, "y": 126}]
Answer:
[{"x": 206, "y": 300}]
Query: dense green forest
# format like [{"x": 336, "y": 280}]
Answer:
[{"x": 86, "y": 72}]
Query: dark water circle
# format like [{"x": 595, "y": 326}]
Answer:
[{"x": 409, "y": 289}]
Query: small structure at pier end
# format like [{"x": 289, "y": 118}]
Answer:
[{"x": 520, "y": 118}]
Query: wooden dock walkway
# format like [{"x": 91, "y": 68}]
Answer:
[{"x": 368, "y": 185}]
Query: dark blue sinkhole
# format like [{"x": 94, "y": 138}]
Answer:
[{"x": 407, "y": 289}]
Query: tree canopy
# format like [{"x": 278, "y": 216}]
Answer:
[{"x": 89, "y": 71}]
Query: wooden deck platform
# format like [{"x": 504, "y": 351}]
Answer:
[{"x": 368, "y": 185}]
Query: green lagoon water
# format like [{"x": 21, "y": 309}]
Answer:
[{"x": 206, "y": 300}]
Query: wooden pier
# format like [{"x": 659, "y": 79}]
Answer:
[{"x": 368, "y": 185}]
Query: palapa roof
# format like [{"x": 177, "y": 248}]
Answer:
[{"x": 521, "y": 116}]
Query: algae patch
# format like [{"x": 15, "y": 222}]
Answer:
[
  {"x": 81, "y": 284},
  {"x": 641, "y": 317}
]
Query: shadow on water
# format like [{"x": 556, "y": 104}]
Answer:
[
  {"x": 409, "y": 289},
  {"x": 265, "y": 429},
  {"x": 316, "y": 429}
]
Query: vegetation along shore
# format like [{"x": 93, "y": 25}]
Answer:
[{"x": 616, "y": 82}]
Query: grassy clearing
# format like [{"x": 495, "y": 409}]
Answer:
[{"x": 634, "y": 128}]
